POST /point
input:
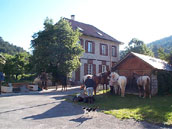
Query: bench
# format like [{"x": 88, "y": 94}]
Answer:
[{"x": 18, "y": 86}]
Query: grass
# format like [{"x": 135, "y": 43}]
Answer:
[{"x": 157, "y": 110}]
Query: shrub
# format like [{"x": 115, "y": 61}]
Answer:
[{"x": 164, "y": 82}]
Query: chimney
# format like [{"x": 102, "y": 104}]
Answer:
[{"x": 72, "y": 17}]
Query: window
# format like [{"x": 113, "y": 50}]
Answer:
[
  {"x": 103, "y": 49},
  {"x": 90, "y": 47},
  {"x": 90, "y": 69},
  {"x": 114, "y": 51},
  {"x": 103, "y": 68}
]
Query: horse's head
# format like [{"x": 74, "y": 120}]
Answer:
[{"x": 114, "y": 76}]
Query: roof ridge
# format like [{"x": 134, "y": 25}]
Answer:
[
  {"x": 78, "y": 21},
  {"x": 91, "y": 30}
]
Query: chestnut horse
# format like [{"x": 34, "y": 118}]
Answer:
[
  {"x": 101, "y": 78},
  {"x": 104, "y": 80},
  {"x": 96, "y": 78},
  {"x": 119, "y": 83},
  {"x": 143, "y": 81}
]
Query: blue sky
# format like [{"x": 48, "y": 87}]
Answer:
[{"x": 147, "y": 20}]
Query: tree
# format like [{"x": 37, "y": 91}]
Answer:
[
  {"x": 16, "y": 65},
  {"x": 56, "y": 49},
  {"x": 137, "y": 46},
  {"x": 162, "y": 55},
  {"x": 2, "y": 62}
]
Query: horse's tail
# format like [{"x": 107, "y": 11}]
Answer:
[{"x": 147, "y": 87}]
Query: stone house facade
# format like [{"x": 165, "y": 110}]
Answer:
[{"x": 101, "y": 50}]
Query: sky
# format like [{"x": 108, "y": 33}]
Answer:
[{"x": 146, "y": 20}]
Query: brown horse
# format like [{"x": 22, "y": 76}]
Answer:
[
  {"x": 101, "y": 78},
  {"x": 96, "y": 79},
  {"x": 143, "y": 81},
  {"x": 105, "y": 79}
]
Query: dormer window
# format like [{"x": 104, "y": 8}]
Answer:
[
  {"x": 99, "y": 33},
  {"x": 80, "y": 29}
]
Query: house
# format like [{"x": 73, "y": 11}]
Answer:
[
  {"x": 101, "y": 50},
  {"x": 142, "y": 65}
]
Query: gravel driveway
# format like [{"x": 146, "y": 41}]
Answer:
[{"x": 49, "y": 110}]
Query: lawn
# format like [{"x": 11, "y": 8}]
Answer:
[{"x": 156, "y": 110}]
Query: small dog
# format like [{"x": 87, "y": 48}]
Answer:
[{"x": 92, "y": 111}]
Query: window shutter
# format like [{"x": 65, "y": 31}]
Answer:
[
  {"x": 94, "y": 69},
  {"x": 100, "y": 68},
  {"x": 82, "y": 43},
  {"x": 93, "y": 47},
  {"x": 86, "y": 46},
  {"x": 106, "y": 50},
  {"x": 100, "y": 49},
  {"x": 107, "y": 68},
  {"x": 115, "y": 51},
  {"x": 85, "y": 69}
]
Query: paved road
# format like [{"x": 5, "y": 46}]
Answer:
[{"x": 49, "y": 110}]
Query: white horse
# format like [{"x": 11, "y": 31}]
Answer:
[
  {"x": 143, "y": 81},
  {"x": 118, "y": 82}
]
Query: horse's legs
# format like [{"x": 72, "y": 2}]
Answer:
[
  {"x": 95, "y": 90},
  {"x": 122, "y": 91},
  {"x": 144, "y": 91},
  {"x": 106, "y": 87},
  {"x": 56, "y": 87},
  {"x": 139, "y": 90}
]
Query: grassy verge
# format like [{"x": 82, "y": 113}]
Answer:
[{"x": 157, "y": 110}]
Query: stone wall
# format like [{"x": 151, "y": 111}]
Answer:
[{"x": 154, "y": 84}]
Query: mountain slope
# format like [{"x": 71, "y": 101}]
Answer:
[
  {"x": 165, "y": 43},
  {"x": 6, "y": 47}
]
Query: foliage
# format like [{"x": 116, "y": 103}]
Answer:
[
  {"x": 137, "y": 46},
  {"x": 2, "y": 62},
  {"x": 6, "y": 47},
  {"x": 15, "y": 65},
  {"x": 165, "y": 56},
  {"x": 161, "y": 54},
  {"x": 165, "y": 43},
  {"x": 164, "y": 82},
  {"x": 55, "y": 49},
  {"x": 156, "y": 110}
]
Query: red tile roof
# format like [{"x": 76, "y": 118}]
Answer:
[{"x": 90, "y": 30}]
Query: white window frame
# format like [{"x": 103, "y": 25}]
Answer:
[
  {"x": 90, "y": 69},
  {"x": 104, "y": 68},
  {"x": 103, "y": 49},
  {"x": 90, "y": 47},
  {"x": 113, "y": 51}
]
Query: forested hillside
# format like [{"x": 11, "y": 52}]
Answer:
[
  {"x": 6, "y": 47},
  {"x": 165, "y": 43}
]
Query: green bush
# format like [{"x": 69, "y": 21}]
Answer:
[{"x": 164, "y": 82}]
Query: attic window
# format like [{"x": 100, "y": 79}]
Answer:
[
  {"x": 80, "y": 29},
  {"x": 100, "y": 33}
]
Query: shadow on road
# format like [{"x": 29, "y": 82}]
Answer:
[
  {"x": 60, "y": 110},
  {"x": 81, "y": 120}
]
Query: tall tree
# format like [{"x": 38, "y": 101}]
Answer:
[
  {"x": 138, "y": 46},
  {"x": 161, "y": 54},
  {"x": 16, "y": 65},
  {"x": 2, "y": 62},
  {"x": 56, "y": 49}
]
